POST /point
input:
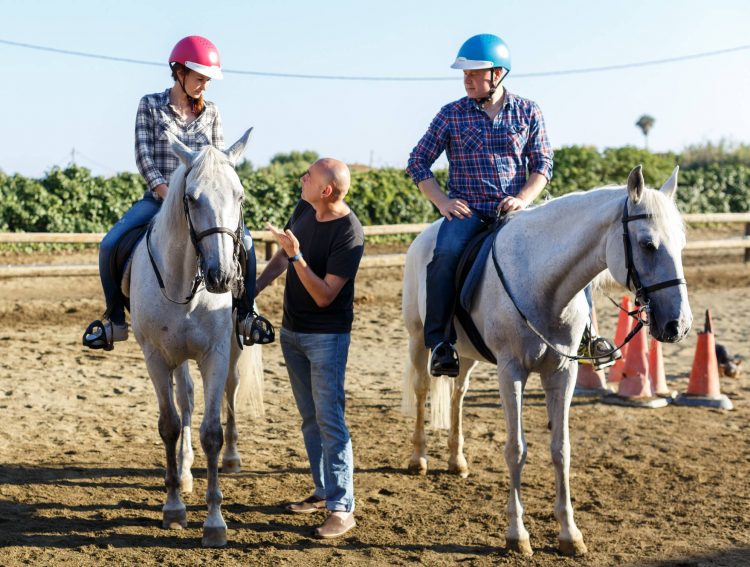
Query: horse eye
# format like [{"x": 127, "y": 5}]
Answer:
[{"x": 648, "y": 245}]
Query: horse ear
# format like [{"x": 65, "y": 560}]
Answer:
[
  {"x": 238, "y": 148},
  {"x": 185, "y": 154},
  {"x": 670, "y": 185},
  {"x": 636, "y": 184}
]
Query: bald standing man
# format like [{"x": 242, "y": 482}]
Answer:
[{"x": 320, "y": 249}]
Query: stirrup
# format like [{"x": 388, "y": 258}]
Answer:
[
  {"x": 444, "y": 360},
  {"x": 261, "y": 331},
  {"x": 602, "y": 352},
  {"x": 95, "y": 336}
]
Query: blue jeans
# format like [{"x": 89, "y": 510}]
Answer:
[
  {"x": 140, "y": 214},
  {"x": 452, "y": 239},
  {"x": 316, "y": 364}
]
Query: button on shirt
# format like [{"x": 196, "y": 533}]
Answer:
[
  {"x": 155, "y": 160},
  {"x": 488, "y": 159}
]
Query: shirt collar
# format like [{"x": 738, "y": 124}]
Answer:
[{"x": 510, "y": 100}]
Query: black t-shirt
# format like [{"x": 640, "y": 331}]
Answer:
[{"x": 333, "y": 247}]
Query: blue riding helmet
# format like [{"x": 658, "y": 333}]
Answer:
[{"x": 483, "y": 51}]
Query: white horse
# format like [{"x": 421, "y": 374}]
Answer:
[
  {"x": 547, "y": 255},
  {"x": 197, "y": 230}
]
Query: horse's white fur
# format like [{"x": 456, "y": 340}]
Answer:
[
  {"x": 548, "y": 254},
  {"x": 202, "y": 330}
]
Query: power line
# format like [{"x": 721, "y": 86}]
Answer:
[{"x": 579, "y": 71}]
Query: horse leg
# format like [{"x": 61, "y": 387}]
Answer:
[
  {"x": 512, "y": 382},
  {"x": 417, "y": 369},
  {"x": 558, "y": 389},
  {"x": 231, "y": 461},
  {"x": 456, "y": 460},
  {"x": 214, "y": 369},
  {"x": 186, "y": 403},
  {"x": 173, "y": 512}
]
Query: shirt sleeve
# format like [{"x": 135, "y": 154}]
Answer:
[
  {"x": 428, "y": 149},
  {"x": 217, "y": 132},
  {"x": 346, "y": 254},
  {"x": 538, "y": 147},
  {"x": 145, "y": 148}
]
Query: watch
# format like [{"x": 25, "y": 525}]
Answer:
[{"x": 296, "y": 257}]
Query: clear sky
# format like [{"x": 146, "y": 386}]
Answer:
[{"x": 54, "y": 103}]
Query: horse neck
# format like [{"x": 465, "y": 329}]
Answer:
[
  {"x": 170, "y": 245},
  {"x": 565, "y": 242}
]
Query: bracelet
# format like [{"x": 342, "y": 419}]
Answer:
[{"x": 296, "y": 257}]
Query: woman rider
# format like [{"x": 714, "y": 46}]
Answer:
[{"x": 183, "y": 112}]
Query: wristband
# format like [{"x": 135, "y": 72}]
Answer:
[{"x": 296, "y": 257}]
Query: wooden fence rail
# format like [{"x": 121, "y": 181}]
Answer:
[{"x": 379, "y": 260}]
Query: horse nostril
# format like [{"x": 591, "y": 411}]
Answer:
[{"x": 672, "y": 329}]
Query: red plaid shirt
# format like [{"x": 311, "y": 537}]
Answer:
[{"x": 487, "y": 159}]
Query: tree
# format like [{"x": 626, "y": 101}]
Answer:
[{"x": 645, "y": 123}]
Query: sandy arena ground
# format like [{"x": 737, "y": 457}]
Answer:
[{"x": 81, "y": 461}]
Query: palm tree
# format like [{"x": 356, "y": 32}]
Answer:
[{"x": 645, "y": 123}]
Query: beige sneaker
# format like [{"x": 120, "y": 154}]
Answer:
[
  {"x": 336, "y": 525},
  {"x": 308, "y": 505}
]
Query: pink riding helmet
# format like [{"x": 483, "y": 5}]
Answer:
[{"x": 199, "y": 54}]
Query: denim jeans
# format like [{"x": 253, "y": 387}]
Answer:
[
  {"x": 452, "y": 239},
  {"x": 316, "y": 364},
  {"x": 141, "y": 214}
]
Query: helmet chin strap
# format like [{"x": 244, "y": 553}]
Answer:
[{"x": 493, "y": 87}]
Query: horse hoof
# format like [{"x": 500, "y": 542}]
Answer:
[
  {"x": 174, "y": 519},
  {"x": 419, "y": 467},
  {"x": 572, "y": 548},
  {"x": 186, "y": 485},
  {"x": 462, "y": 471},
  {"x": 522, "y": 546},
  {"x": 214, "y": 537},
  {"x": 231, "y": 465}
]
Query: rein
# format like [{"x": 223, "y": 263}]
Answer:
[
  {"x": 641, "y": 314},
  {"x": 195, "y": 238}
]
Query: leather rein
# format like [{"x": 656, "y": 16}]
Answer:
[{"x": 640, "y": 314}]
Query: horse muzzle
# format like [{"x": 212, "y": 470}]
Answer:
[
  {"x": 672, "y": 331},
  {"x": 217, "y": 279}
]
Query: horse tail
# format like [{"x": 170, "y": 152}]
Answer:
[
  {"x": 416, "y": 385},
  {"x": 250, "y": 370}
]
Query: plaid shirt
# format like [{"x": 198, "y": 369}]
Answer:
[
  {"x": 487, "y": 159},
  {"x": 153, "y": 156}
]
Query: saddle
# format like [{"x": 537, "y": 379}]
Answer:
[
  {"x": 119, "y": 261},
  {"x": 468, "y": 276}
]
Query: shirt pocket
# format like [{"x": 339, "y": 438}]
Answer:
[
  {"x": 472, "y": 139},
  {"x": 163, "y": 126},
  {"x": 516, "y": 137}
]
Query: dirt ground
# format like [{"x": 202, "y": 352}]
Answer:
[{"x": 81, "y": 461}]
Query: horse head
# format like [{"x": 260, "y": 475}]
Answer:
[
  {"x": 644, "y": 254},
  {"x": 212, "y": 200}
]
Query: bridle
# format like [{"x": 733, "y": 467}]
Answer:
[
  {"x": 641, "y": 314},
  {"x": 195, "y": 238}
]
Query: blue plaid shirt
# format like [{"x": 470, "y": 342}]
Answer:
[
  {"x": 155, "y": 160},
  {"x": 487, "y": 159}
]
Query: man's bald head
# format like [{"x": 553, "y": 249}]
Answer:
[{"x": 337, "y": 175}]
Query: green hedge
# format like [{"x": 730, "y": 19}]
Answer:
[{"x": 72, "y": 200}]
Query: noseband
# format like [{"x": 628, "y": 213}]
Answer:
[{"x": 195, "y": 238}]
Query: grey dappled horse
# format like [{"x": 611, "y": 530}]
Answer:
[
  {"x": 547, "y": 255},
  {"x": 198, "y": 225}
]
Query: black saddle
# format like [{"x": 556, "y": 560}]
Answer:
[
  {"x": 468, "y": 276},
  {"x": 118, "y": 261}
]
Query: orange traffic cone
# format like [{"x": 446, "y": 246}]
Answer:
[
  {"x": 591, "y": 382},
  {"x": 635, "y": 386},
  {"x": 656, "y": 371},
  {"x": 703, "y": 387},
  {"x": 624, "y": 326}
]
